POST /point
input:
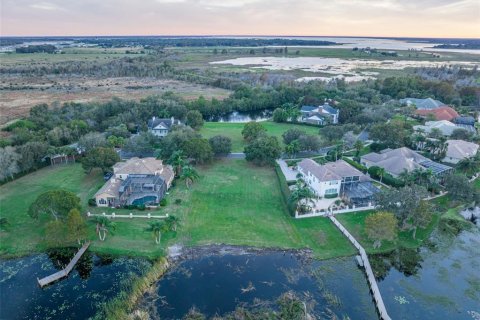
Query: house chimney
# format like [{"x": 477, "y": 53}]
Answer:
[
  {"x": 153, "y": 118},
  {"x": 172, "y": 120}
]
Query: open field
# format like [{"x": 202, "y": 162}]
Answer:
[
  {"x": 19, "y": 94},
  {"x": 70, "y": 55},
  {"x": 23, "y": 234},
  {"x": 234, "y": 131},
  {"x": 215, "y": 210}
]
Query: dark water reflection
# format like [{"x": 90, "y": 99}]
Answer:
[
  {"x": 439, "y": 281},
  {"x": 93, "y": 281},
  {"x": 216, "y": 285},
  {"x": 242, "y": 117}
]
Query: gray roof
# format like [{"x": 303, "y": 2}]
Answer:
[
  {"x": 445, "y": 127},
  {"x": 167, "y": 123},
  {"x": 465, "y": 120},
  {"x": 364, "y": 135},
  {"x": 331, "y": 170},
  {"x": 459, "y": 149},
  {"x": 423, "y": 104},
  {"x": 396, "y": 161},
  {"x": 308, "y": 108},
  {"x": 329, "y": 109}
]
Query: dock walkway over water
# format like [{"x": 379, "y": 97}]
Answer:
[
  {"x": 63, "y": 273},
  {"x": 368, "y": 270}
]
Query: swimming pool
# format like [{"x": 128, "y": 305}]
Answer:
[{"x": 145, "y": 200}]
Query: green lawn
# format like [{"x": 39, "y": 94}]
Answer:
[
  {"x": 234, "y": 131},
  {"x": 23, "y": 234},
  {"x": 233, "y": 202}
]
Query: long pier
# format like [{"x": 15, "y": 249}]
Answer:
[
  {"x": 63, "y": 273},
  {"x": 377, "y": 297}
]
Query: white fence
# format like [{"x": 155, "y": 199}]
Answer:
[
  {"x": 324, "y": 213},
  {"x": 113, "y": 215}
]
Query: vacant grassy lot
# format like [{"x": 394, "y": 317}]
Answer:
[
  {"x": 234, "y": 131},
  {"x": 232, "y": 203},
  {"x": 23, "y": 234}
]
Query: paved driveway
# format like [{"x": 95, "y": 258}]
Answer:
[{"x": 290, "y": 175}]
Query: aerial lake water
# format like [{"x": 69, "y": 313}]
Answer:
[
  {"x": 92, "y": 282},
  {"x": 441, "y": 280}
]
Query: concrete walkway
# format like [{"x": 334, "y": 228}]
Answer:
[{"x": 290, "y": 175}]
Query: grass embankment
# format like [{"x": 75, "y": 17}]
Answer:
[
  {"x": 234, "y": 131},
  {"x": 233, "y": 203}
]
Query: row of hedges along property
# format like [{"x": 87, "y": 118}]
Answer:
[
  {"x": 388, "y": 179},
  {"x": 285, "y": 190}
]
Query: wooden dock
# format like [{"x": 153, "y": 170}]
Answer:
[
  {"x": 377, "y": 297},
  {"x": 63, "y": 273}
]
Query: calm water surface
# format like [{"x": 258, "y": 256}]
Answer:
[
  {"x": 216, "y": 285},
  {"x": 93, "y": 281}
]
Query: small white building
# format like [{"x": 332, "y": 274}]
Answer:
[{"x": 458, "y": 150}]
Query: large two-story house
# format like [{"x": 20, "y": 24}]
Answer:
[
  {"x": 337, "y": 179},
  {"x": 161, "y": 127},
  {"x": 320, "y": 115},
  {"x": 136, "y": 181}
]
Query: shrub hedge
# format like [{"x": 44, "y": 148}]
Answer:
[{"x": 285, "y": 190}]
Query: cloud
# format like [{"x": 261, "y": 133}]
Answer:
[
  {"x": 440, "y": 18},
  {"x": 46, "y": 6}
]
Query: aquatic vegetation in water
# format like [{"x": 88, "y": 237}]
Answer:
[
  {"x": 401, "y": 299},
  {"x": 473, "y": 290},
  {"x": 331, "y": 298},
  {"x": 249, "y": 288}
]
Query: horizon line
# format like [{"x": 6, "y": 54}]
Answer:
[{"x": 231, "y": 35}]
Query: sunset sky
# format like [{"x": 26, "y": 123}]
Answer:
[{"x": 409, "y": 18}]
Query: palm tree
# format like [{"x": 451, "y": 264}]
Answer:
[
  {"x": 358, "y": 147},
  {"x": 177, "y": 161},
  {"x": 469, "y": 164},
  {"x": 302, "y": 195},
  {"x": 190, "y": 175},
  {"x": 405, "y": 176},
  {"x": 172, "y": 223},
  {"x": 381, "y": 172},
  {"x": 157, "y": 227},
  {"x": 103, "y": 224}
]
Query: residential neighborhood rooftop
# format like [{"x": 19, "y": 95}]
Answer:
[
  {"x": 440, "y": 113},
  {"x": 445, "y": 127},
  {"x": 402, "y": 159},
  {"x": 423, "y": 104},
  {"x": 460, "y": 149},
  {"x": 331, "y": 170}
]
